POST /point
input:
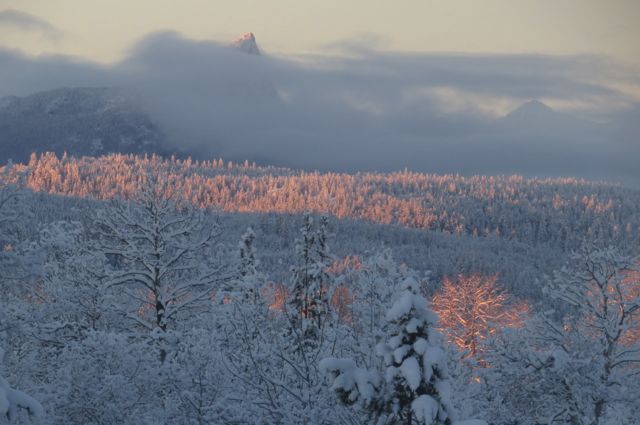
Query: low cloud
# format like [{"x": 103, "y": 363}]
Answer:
[
  {"x": 15, "y": 19},
  {"x": 371, "y": 110}
]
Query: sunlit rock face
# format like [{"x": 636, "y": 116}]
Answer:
[{"x": 247, "y": 43}]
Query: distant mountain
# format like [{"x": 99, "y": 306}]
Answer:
[
  {"x": 79, "y": 121},
  {"x": 531, "y": 112},
  {"x": 247, "y": 43},
  {"x": 534, "y": 119}
]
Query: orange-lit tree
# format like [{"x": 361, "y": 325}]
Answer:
[{"x": 471, "y": 308}]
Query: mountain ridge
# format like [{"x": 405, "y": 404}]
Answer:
[{"x": 77, "y": 120}]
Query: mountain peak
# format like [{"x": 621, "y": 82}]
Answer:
[
  {"x": 535, "y": 104},
  {"x": 531, "y": 110},
  {"x": 247, "y": 43}
]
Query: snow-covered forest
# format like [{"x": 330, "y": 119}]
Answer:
[{"x": 138, "y": 290}]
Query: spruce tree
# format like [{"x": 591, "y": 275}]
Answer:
[{"x": 413, "y": 387}]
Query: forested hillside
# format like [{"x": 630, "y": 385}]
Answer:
[
  {"x": 560, "y": 212},
  {"x": 139, "y": 290}
]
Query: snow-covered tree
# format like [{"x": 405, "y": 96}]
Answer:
[
  {"x": 273, "y": 355},
  {"x": 310, "y": 294},
  {"x": 414, "y": 385},
  {"x": 248, "y": 260},
  {"x": 373, "y": 290},
  {"x": 70, "y": 297},
  {"x": 416, "y": 362},
  {"x": 8, "y": 205},
  {"x": 105, "y": 378},
  {"x": 605, "y": 306},
  {"x": 581, "y": 370},
  {"x": 165, "y": 258},
  {"x": 15, "y": 257},
  {"x": 202, "y": 392},
  {"x": 249, "y": 282}
]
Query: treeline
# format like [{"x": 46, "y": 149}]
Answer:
[{"x": 559, "y": 212}]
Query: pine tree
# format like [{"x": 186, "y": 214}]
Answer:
[
  {"x": 413, "y": 387},
  {"x": 248, "y": 285},
  {"x": 416, "y": 367},
  {"x": 308, "y": 305},
  {"x": 273, "y": 354}
]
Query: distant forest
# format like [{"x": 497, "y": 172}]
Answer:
[{"x": 562, "y": 212}]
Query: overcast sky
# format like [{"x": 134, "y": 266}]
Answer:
[{"x": 357, "y": 85}]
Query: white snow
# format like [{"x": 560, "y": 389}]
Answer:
[
  {"x": 425, "y": 408},
  {"x": 401, "y": 307},
  {"x": 411, "y": 371},
  {"x": 414, "y": 324},
  {"x": 395, "y": 341},
  {"x": 444, "y": 389},
  {"x": 359, "y": 383},
  {"x": 420, "y": 346},
  {"x": 400, "y": 352},
  {"x": 11, "y": 400},
  {"x": 434, "y": 358}
]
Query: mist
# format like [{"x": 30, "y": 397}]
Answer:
[{"x": 354, "y": 108}]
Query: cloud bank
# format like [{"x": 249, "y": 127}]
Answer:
[{"x": 365, "y": 109}]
